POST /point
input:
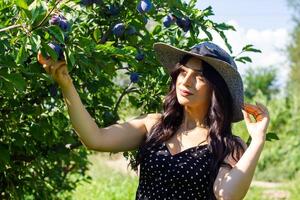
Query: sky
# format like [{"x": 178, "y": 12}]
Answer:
[{"x": 265, "y": 24}]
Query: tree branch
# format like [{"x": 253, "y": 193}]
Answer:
[{"x": 11, "y": 27}]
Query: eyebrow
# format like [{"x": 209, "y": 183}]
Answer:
[{"x": 197, "y": 70}]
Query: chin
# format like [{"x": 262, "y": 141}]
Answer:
[{"x": 183, "y": 101}]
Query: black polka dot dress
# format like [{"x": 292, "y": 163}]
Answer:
[{"x": 184, "y": 175}]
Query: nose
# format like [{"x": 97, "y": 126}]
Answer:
[{"x": 187, "y": 80}]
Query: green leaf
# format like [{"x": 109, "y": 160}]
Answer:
[
  {"x": 4, "y": 156},
  {"x": 156, "y": 30},
  {"x": 49, "y": 50},
  {"x": 16, "y": 79},
  {"x": 249, "y": 48},
  {"x": 35, "y": 42},
  {"x": 254, "y": 50},
  {"x": 244, "y": 59},
  {"x": 38, "y": 11},
  {"x": 224, "y": 26},
  {"x": 225, "y": 39},
  {"x": 96, "y": 34},
  {"x": 173, "y": 3},
  {"x": 21, "y": 55},
  {"x": 22, "y": 4},
  {"x": 271, "y": 136},
  {"x": 192, "y": 3},
  {"x": 70, "y": 59},
  {"x": 57, "y": 33},
  {"x": 208, "y": 11},
  {"x": 209, "y": 35}
]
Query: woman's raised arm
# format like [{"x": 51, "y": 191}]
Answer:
[{"x": 114, "y": 138}]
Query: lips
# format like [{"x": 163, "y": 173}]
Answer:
[{"x": 185, "y": 92}]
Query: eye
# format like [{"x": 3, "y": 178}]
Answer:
[
  {"x": 181, "y": 70},
  {"x": 200, "y": 73}
]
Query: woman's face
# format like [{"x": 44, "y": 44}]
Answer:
[{"x": 191, "y": 79}]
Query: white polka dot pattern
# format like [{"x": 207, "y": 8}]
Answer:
[{"x": 184, "y": 175}]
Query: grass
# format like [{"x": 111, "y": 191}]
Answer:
[{"x": 106, "y": 183}]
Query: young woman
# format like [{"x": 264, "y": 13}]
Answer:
[{"x": 188, "y": 151}]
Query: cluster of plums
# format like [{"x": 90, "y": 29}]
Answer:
[
  {"x": 183, "y": 22},
  {"x": 64, "y": 25},
  {"x": 119, "y": 29}
]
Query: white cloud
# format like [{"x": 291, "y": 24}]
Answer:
[{"x": 271, "y": 42}]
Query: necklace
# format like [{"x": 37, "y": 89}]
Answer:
[{"x": 187, "y": 131}]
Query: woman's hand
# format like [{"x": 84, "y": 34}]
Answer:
[
  {"x": 58, "y": 70},
  {"x": 258, "y": 128}
]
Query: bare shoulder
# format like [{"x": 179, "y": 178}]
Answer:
[
  {"x": 154, "y": 116},
  {"x": 152, "y": 119}
]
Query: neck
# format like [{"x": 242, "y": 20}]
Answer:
[{"x": 194, "y": 118}]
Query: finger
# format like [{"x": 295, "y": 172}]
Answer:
[
  {"x": 265, "y": 116},
  {"x": 261, "y": 108},
  {"x": 55, "y": 66},
  {"x": 251, "y": 109},
  {"x": 60, "y": 70},
  {"x": 43, "y": 60},
  {"x": 46, "y": 67},
  {"x": 51, "y": 67},
  {"x": 259, "y": 117},
  {"x": 264, "y": 108},
  {"x": 59, "y": 67},
  {"x": 246, "y": 116}
]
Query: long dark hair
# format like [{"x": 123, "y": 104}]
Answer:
[{"x": 221, "y": 141}]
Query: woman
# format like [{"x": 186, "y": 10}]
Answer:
[{"x": 189, "y": 150}]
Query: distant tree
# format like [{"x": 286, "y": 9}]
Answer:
[
  {"x": 293, "y": 84},
  {"x": 262, "y": 79}
]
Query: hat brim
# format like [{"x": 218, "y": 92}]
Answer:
[{"x": 169, "y": 55}]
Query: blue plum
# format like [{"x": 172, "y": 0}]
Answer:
[
  {"x": 144, "y": 6},
  {"x": 113, "y": 10},
  {"x": 168, "y": 20},
  {"x": 53, "y": 90},
  {"x": 55, "y": 19},
  {"x": 64, "y": 25},
  {"x": 57, "y": 49},
  {"x": 134, "y": 77},
  {"x": 139, "y": 56},
  {"x": 184, "y": 23},
  {"x": 118, "y": 29},
  {"x": 61, "y": 21}
]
